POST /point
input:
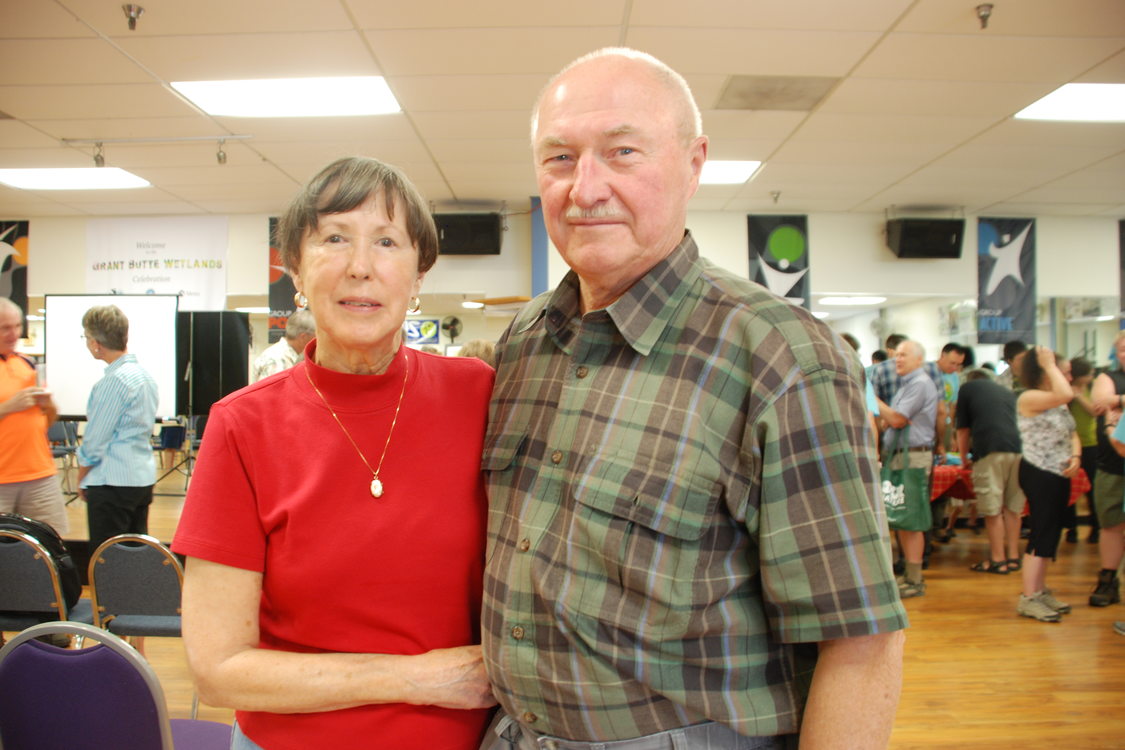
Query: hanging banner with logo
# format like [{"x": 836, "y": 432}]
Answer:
[
  {"x": 13, "y": 264},
  {"x": 181, "y": 255},
  {"x": 1005, "y": 280},
  {"x": 779, "y": 255},
  {"x": 281, "y": 289}
]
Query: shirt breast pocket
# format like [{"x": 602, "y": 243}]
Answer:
[{"x": 646, "y": 534}]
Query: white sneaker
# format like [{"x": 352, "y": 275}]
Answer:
[
  {"x": 1033, "y": 606},
  {"x": 1049, "y": 599}
]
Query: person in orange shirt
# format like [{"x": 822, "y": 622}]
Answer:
[{"x": 27, "y": 469}]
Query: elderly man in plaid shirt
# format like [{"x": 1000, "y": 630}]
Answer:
[{"x": 684, "y": 548}]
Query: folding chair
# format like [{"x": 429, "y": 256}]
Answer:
[
  {"x": 30, "y": 592},
  {"x": 104, "y": 696},
  {"x": 63, "y": 437}
]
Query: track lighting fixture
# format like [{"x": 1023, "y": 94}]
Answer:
[
  {"x": 984, "y": 12},
  {"x": 99, "y": 157},
  {"x": 132, "y": 12},
  {"x": 220, "y": 155}
]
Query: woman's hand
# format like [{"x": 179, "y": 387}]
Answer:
[
  {"x": 1045, "y": 357},
  {"x": 452, "y": 678},
  {"x": 1072, "y": 466}
]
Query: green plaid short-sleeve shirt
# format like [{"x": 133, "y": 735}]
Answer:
[{"x": 682, "y": 504}]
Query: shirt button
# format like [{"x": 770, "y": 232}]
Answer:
[
  {"x": 556, "y": 457},
  {"x": 525, "y": 545},
  {"x": 517, "y": 633},
  {"x": 529, "y": 718},
  {"x": 582, "y": 371}
]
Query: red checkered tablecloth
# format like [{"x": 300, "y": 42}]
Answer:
[{"x": 957, "y": 481}]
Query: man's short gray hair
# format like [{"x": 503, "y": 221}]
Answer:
[
  {"x": 300, "y": 323},
  {"x": 691, "y": 122}
]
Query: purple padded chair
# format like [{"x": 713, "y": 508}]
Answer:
[{"x": 104, "y": 696}]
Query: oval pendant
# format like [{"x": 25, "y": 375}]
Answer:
[{"x": 376, "y": 487}]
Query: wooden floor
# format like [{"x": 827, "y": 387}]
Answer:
[{"x": 976, "y": 674}]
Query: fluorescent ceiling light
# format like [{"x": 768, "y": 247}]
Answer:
[
  {"x": 851, "y": 301},
  {"x": 472, "y": 305},
  {"x": 263, "y": 310},
  {"x": 1080, "y": 102},
  {"x": 75, "y": 178},
  {"x": 728, "y": 172},
  {"x": 292, "y": 97},
  {"x": 820, "y": 314}
]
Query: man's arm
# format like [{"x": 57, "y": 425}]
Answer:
[
  {"x": 963, "y": 440},
  {"x": 891, "y": 417},
  {"x": 855, "y": 692}
]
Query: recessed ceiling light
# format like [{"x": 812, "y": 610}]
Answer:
[
  {"x": 1080, "y": 102},
  {"x": 851, "y": 301},
  {"x": 73, "y": 178},
  {"x": 292, "y": 97},
  {"x": 728, "y": 172}
]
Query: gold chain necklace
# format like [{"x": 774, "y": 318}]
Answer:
[{"x": 376, "y": 483}]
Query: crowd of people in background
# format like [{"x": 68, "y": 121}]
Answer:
[{"x": 1022, "y": 436}]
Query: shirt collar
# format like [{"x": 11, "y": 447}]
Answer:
[
  {"x": 642, "y": 313},
  {"x": 120, "y": 361}
]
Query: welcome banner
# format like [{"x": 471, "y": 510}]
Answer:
[
  {"x": 779, "y": 255},
  {"x": 181, "y": 255},
  {"x": 1005, "y": 280}
]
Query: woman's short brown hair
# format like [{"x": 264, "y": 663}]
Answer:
[
  {"x": 346, "y": 184},
  {"x": 108, "y": 326}
]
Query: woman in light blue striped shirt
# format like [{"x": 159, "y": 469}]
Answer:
[{"x": 116, "y": 470}]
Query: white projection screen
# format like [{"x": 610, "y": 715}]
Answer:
[{"x": 70, "y": 369}]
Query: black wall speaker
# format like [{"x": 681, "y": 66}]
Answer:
[
  {"x": 925, "y": 238},
  {"x": 468, "y": 234}
]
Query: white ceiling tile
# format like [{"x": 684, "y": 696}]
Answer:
[
  {"x": 757, "y": 52},
  {"x": 1034, "y": 18},
  {"x": 860, "y": 95},
  {"x": 168, "y": 18},
  {"x": 62, "y": 61},
  {"x": 457, "y": 92},
  {"x": 379, "y": 14},
  {"x": 1110, "y": 71},
  {"x": 850, "y": 128},
  {"x": 510, "y": 124},
  {"x": 27, "y": 20},
  {"x": 921, "y": 114},
  {"x": 133, "y": 127},
  {"x": 484, "y": 51},
  {"x": 937, "y": 57},
  {"x": 1031, "y": 208},
  {"x": 450, "y": 151},
  {"x": 769, "y": 14},
  {"x": 239, "y": 56},
  {"x": 108, "y": 101},
  {"x": 15, "y": 134},
  {"x": 720, "y": 123}
]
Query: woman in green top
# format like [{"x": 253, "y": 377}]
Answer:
[{"x": 1086, "y": 421}]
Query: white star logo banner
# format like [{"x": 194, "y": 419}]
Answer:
[{"x": 1005, "y": 280}]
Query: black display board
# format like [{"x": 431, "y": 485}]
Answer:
[{"x": 212, "y": 356}]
